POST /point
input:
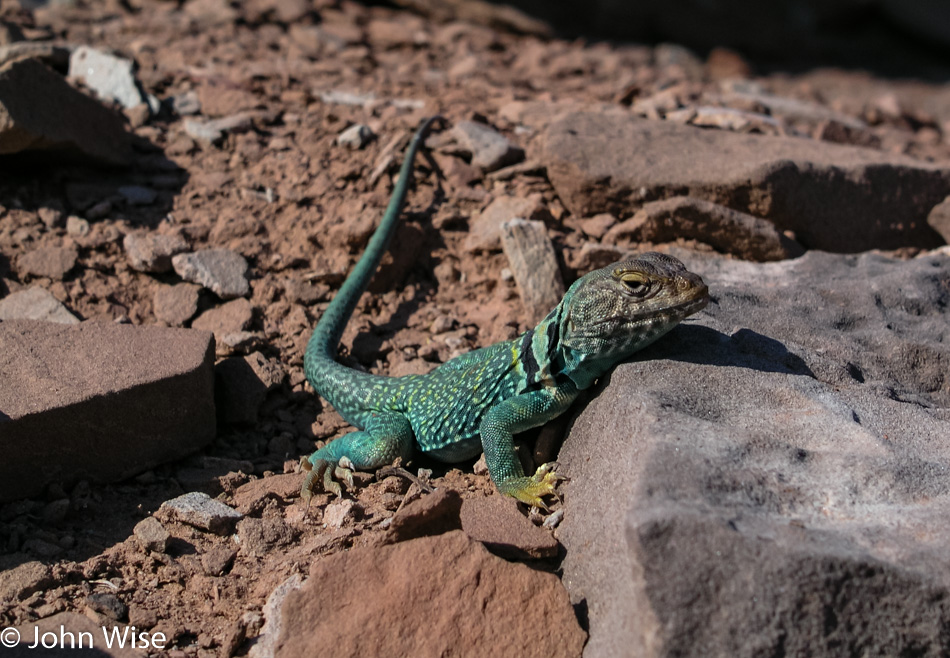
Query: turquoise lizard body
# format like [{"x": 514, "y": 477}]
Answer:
[{"x": 477, "y": 402}]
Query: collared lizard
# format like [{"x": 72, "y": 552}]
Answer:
[{"x": 479, "y": 400}]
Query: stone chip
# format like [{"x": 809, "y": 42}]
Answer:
[
  {"x": 200, "y": 510},
  {"x": 222, "y": 271}
]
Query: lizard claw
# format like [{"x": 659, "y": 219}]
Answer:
[
  {"x": 531, "y": 490},
  {"x": 320, "y": 470}
]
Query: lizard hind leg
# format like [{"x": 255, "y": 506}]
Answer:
[{"x": 387, "y": 437}]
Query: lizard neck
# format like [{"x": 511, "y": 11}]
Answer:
[{"x": 543, "y": 358}]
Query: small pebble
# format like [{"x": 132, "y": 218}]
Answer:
[{"x": 356, "y": 136}]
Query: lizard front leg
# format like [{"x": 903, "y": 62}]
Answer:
[
  {"x": 386, "y": 437},
  {"x": 517, "y": 414}
]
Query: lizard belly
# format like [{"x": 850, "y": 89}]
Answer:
[{"x": 446, "y": 411}]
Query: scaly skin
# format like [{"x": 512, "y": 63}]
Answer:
[{"x": 478, "y": 401}]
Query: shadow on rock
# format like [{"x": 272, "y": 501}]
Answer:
[{"x": 745, "y": 348}]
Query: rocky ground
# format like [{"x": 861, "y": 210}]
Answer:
[{"x": 170, "y": 233}]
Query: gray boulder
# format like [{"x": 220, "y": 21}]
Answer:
[{"x": 773, "y": 478}]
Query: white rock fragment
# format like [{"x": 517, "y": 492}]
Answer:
[
  {"x": 338, "y": 513},
  {"x": 336, "y": 97},
  {"x": 110, "y": 77},
  {"x": 356, "y": 136}
]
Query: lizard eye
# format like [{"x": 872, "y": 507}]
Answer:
[{"x": 636, "y": 282}]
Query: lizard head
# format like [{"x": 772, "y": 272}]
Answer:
[{"x": 615, "y": 311}]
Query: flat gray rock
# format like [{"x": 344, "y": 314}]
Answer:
[
  {"x": 222, "y": 271},
  {"x": 40, "y": 112},
  {"x": 99, "y": 401},
  {"x": 773, "y": 478},
  {"x": 35, "y": 304},
  {"x": 828, "y": 194},
  {"x": 200, "y": 510}
]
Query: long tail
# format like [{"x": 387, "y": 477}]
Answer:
[{"x": 326, "y": 336}]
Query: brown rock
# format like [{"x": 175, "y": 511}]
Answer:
[
  {"x": 433, "y": 514},
  {"x": 598, "y": 225},
  {"x": 132, "y": 398},
  {"x": 448, "y": 588},
  {"x": 51, "y": 262},
  {"x": 402, "y": 30},
  {"x": 220, "y": 98},
  {"x": 54, "y": 55},
  {"x": 497, "y": 522},
  {"x": 485, "y": 227},
  {"x": 222, "y": 271},
  {"x": 150, "y": 252},
  {"x": 40, "y": 112},
  {"x": 82, "y": 629},
  {"x": 260, "y": 536},
  {"x": 18, "y": 582},
  {"x": 490, "y": 149},
  {"x": 408, "y": 246},
  {"x": 218, "y": 560},
  {"x": 151, "y": 534},
  {"x": 593, "y": 256},
  {"x": 231, "y": 317},
  {"x": 250, "y": 498},
  {"x": 728, "y": 230},
  {"x": 827, "y": 194},
  {"x": 200, "y": 510},
  {"x": 175, "y": 305}
]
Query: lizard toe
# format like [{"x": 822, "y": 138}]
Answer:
[
  {"x": 323, "y": 472},
  {"x": 314, "y": 472},
  {"x": 531, "y": 490}
]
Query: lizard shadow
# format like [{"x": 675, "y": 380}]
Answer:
[
  {"x": 694, "y": 343},
  {"x": 367, "y": 345}
]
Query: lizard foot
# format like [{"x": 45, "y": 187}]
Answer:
[
  {"x": 531, "y": 489},
  {"x": 320, "y": 469}
]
